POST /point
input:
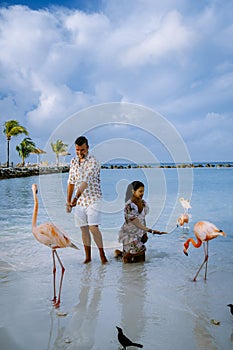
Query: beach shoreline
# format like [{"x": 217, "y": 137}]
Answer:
[{"x": 15, "y": 172}]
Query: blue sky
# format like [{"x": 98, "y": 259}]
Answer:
[
  {"x": 84, "y": 5},
  {"x": 174, "y": 57}
]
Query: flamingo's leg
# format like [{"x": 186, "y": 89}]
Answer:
[
  {"x": 206, "y": 258},
  {"x": 54, "y": 277},
  {"x": 204, "y": 262},
  {"x": 57, "y": 304}
]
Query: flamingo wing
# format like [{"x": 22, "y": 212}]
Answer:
[
  {"x": 206, "y": 231},
  {"x": 51, "y": 236}
]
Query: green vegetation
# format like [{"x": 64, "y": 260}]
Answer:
[
  {"x": 60, "y": 149},
  {"x": 25, "y": 148},
  {"x": 12, "y": 128}
]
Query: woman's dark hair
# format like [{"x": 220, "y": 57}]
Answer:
[
  {"x": 133, "y": 186},
  {"x": 81, "y": 140}
]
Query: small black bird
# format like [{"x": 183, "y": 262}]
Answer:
[
  {"x": 124, "y": 341},
  {"x": 231, "y": 308}
]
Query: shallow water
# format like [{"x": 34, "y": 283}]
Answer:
[{"x": 156, "y": 302}]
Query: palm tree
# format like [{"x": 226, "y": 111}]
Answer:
[
  {"x": 12, "y": 128},
  {"x": 59, "y": 148},
  {"x": 25, "y": 148}
]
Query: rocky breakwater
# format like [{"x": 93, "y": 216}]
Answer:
[{"x": 12, "y": 172}]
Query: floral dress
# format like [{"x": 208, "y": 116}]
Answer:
[{"x": 130, "y": 235}]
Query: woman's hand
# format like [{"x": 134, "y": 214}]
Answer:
[
  {"x": 144, "y": 238},
  {"x": 156, "y": 232}
]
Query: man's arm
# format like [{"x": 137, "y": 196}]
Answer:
[
  {"x": 83, "y": 185},
  {"x": 70, "y": 190}
]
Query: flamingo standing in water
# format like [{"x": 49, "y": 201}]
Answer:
[
  {"x": 204, "y": 232},
  {"x": 182, "y": 219},
  {"x": 185, "y": 204},
  {"x": 53, "y": 237}
]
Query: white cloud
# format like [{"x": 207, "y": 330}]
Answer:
[
  {"x": 26, "y": 37},
  {"x": 56, "y": 104},
  {"x": 174, "y": 57},
  {"x": 86, "y": 29},
  {"x": 167, "y": 40},
  {"x": 206, "y": 135}
]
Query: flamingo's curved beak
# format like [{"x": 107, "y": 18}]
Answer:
[{"x": 185, "y": 252}]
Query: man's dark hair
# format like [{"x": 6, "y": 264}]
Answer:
[{"x": 81, "y": 140}]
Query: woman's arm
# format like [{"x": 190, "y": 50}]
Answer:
[{"x": 138, "y": 224}]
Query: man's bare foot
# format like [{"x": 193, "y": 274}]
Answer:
[
  {"x": 104, "y": 260},
  {"x": 87, "y": 261}
]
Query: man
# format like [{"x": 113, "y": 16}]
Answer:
[{"x": 84, "y": 182}]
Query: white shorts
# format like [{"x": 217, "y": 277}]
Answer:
[{"x": 88, "y": 216}]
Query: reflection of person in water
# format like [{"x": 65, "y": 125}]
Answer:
[{"x": 133, "y": 233}]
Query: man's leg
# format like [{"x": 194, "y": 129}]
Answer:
[
  {"x": 99, "y": 241},
  {"x": 86, "y": 237}
]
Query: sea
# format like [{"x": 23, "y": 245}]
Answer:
[{"x": 156, "y": 303}]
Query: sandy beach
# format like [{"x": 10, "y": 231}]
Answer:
[{"x": 146, "y": 299}]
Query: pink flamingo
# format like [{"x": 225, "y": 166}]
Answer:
[
  {"x": 182, "y": 219},
  {"x": 185, "y": 204},
  {"x": 204, "y": 232},
  {"x": 53, "y": 237}
]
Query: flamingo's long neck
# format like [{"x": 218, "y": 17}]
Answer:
[
  {"x": 195, "y": 244},
  {"x": 35, "y": 210}
]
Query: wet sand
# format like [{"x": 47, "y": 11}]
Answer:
[{"x": 156, "y": 303}]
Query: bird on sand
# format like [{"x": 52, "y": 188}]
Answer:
[
  {"x": 124, "y": 341},
  {"x": 231, "y": 308},
  {"x": 50, "y": 235},
  {"x": 204, "y": 232}
]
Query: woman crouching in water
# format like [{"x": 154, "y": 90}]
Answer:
[{"x": 133, "y": 233}]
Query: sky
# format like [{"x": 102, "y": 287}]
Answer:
[{"x": 170, "y": 60}]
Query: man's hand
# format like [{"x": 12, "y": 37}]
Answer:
[
  {"x": 68, "y": 207},
  {"x": 74, "y": 202}
]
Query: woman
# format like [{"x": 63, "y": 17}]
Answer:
[{"x": 133, "y": 233}]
